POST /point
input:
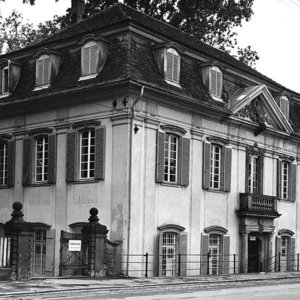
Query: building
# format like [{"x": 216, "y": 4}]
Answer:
[{"x": 182, "y": 148}]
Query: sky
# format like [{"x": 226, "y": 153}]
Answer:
[{"x": 272, "y": 32}]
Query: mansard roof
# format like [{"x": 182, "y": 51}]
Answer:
[{"x": 139, "y": 65}]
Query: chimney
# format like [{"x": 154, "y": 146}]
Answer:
[{"x": 77, "y": 11}]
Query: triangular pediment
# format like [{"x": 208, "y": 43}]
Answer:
[{"x": 257, "y": 105}]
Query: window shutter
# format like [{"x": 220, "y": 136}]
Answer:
[
  {"x": 11, "y": 149},
  {"x": 50, "y": 250},
  {"x": 27, "y": 160},
  {"x": 260, "y": 174},
  {"x": 185, "y": 162},
  {"x": 227, "y": 169},
  {"x": 279, "y": 183},
  {"x": 85, "y": 61},
  {"x": 160, "y": 254},
  {"x": 94, "y": 57},
  {"x": 204, "y": 251},
  {"x": 1, "y": 75},
  {"x": 100, "y": 153},
  {"x": 52, "y": 159},
  {"x": 247, "y": 174},
  {"x": 293, "y": 182},
  {"x": 71, "y": 157},
  {"x": 183, "y": 252},
  {"x": 169, "y": 66},
  {"x": 206, "y": 165},
  {"x": 219, "y": 84},
  {"x": 160, "y": 152},
  {"x": 175, "y": 70},
  {"x": 292, "y": 258},
  {"x": 39, "y": 75},
  {"x": 284, "y": 106},
  {"x": 46, "y": 71},
  {"x": 213, "y": 82},
  {"x": 226, "y": 254}
]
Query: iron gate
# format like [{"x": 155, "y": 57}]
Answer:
[{"x": 72, "y": 263}]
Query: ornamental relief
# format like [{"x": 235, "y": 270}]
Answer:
[{"x": 256, "y": 112}]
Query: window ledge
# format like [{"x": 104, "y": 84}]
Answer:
[
  {"x": 37, "y": 184},
  {"x": 173, "y": 83},
  {"x": 169, "y": 184},
  {"x": 41, "y": 87},
  {"x": 217, "y": 98},
  {"x": 286, "y": 200},
  {"x": 86, "y": 77},
  {"x": 5, "y": 187},
  {"x": 4, "y": 95},
  {"x": 87, "y": 181},
  {"x": 215, "y": 191}
]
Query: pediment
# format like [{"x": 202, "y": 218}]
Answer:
[{"x": 257, "y": 105}]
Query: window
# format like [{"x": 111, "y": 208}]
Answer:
[
  {"x": 217, "y": 158},
  {"x": 4, "y": 81},
  {"x": 39, "y": 253},
  {"x": 215, "y": 250},
  {"x": 253, "y": 174},
  {"x": 284, "y": 106},
  {"x": 39, "y": 157},
  {"x": 90, "y": 57},
  {"x": 215, "y": 167},
  {"x": 286, "y": 179},
  {"x": 86, "y": 152},
  {"x": 7, "y": 162},
  {"x": 285, "y": 250},
  {"x": 215, "y": 82},
  {"x": 43, "y": 70},
  {"x": 3, "y": 163},
  {"x": 254, "y": 170},
  {"x": 172, "y": 66},
  {"x": 172, "y": 242},
  {"x": 173, "y": 156}
]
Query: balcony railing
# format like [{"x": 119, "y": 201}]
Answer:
[{"x": 255, "y": 203}]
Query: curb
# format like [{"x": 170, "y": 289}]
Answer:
[{"x": 152, "y": 285}]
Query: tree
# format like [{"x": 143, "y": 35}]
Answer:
[{"x": 211, "y": 21}]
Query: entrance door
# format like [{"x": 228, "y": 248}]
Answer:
[{"x": 254, "y": 249}]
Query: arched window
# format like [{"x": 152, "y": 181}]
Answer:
[
  {"x": 90, "y": 58},
  {"x": 215, "y": 82},
  {"x": 285, "y": 250},
  {"x": 172, "y": 66},
  {"x": 43, "y": 70}
]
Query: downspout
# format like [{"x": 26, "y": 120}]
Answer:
[{"x": 139, "y": 97}]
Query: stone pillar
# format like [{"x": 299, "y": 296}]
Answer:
[
  {"x": 244, "y": 252},
  {"x": 95, "y": 234},
  {"x": 21, "y": 234},
  {"x": 269, "y": 265}
]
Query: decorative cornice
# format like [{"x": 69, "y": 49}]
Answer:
[
  {"x": 173, "y": 129},
  {"x": 171, "y": 227},
  {"x": 215, "y": 229},
  {"x": 285, "y": 232},
  {"x": 86, "y": 124}
]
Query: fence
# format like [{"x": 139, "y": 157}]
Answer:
[
  {"x": 149, "y": 265},
  {"x": 4, "y": 252}
]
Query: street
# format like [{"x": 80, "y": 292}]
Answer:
[{"x": 276, "y": 289}]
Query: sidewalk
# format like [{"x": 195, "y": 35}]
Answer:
[{"x": 33, "y": 286}]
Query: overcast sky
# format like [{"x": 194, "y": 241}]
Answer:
[{"x": 272, "y": 31}]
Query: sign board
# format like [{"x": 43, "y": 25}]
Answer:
[
  {"x": 74, "y": 245},
  {"x": 252, "y": 238}
]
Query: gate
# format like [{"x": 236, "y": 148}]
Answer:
[{"x": 73, "y": 255}]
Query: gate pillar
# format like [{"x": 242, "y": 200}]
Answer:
[
  {"x": 21, "y": 234},
  {"x": 95, "y": 234}
]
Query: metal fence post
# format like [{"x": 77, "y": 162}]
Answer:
[
  {"x": 279, "y": 262},
  {"x": 146, "y": 266},
  {"x": 179, "y": 263},
  {"x": 297, "y": 261},
  {"x": 208, "y": 256}
]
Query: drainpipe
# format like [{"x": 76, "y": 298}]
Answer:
[{"x": 139, "y": 97}]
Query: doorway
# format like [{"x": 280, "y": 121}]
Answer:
[{"x": 254, "y": 254}]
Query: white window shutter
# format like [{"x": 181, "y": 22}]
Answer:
[
  {"x": 94, "y": 57},
  {"x": 169, "y": 66},
  {"x": 219, "y": 84},
  {"x": 175, "y": 70},
  {"x": 46, "y": 71},
  {"x": 213, "y": 82},
  {"x": 39, "y": 72},
  {"x": 85, "y": 61}
]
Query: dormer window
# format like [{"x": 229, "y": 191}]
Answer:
[
  {"x": 4, "y": 81},
  {"x": 46, "y": 67},
  {"x": 172, "y": 66},
  {"x": 43, "y": 70},
  {"x": 94, "y": 51},
  {"x": 215, "y": 82},
  {"x": 284, "y": 106},
  {"x": 89, "y": 58}
]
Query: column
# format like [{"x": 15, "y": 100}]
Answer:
[
  {"x": 244, "y": 252},
  {"x": 269, "y": 265}
]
